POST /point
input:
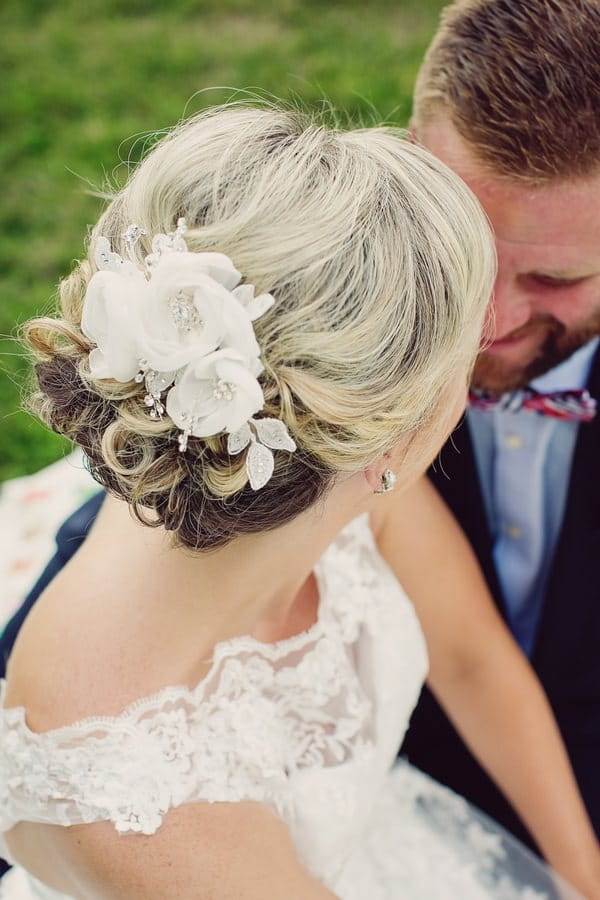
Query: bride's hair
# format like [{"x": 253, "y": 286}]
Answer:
[{"x": 381, "y": 264}]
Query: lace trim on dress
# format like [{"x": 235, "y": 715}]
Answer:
[{"x": 263, "y": 712}]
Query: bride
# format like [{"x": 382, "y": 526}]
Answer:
[{"x": 267, "y": 345}]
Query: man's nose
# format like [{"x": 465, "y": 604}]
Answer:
[{"x": 510, "y": 310}]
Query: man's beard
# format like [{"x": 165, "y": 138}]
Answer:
[{"x": 493, "y": 374}]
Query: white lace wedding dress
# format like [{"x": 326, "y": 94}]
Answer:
[{"x": 309, "y": 726}]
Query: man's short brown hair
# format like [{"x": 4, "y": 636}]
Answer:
[{"x": 520, "y": 81}]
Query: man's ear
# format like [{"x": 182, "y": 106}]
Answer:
[{"x": 412, "y": 132}]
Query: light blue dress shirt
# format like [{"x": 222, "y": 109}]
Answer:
[{"x": 524, "y": 462}]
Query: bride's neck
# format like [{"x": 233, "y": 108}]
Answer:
[{"x": 249, "y": 586}]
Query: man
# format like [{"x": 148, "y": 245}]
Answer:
[{"x": 509, "y": 97}]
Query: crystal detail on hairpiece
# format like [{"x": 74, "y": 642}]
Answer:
[
  {"x": 105, "y": 258},
  {"x": 168, "y": 243},
  {"x": 184, "y": 313},
  {"x": 224, "y": 390},
  {"x": 143, "y": 364},
  {"x": 132, "y": 235},
  {"x": 156, "y": 383},
  {"x": 182, "y": 437},
  {"x": 259, "y": 465},
  {"x": 158, "y": 409}
]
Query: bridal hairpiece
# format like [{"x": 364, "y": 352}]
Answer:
[{"x": 183, "y": 326}]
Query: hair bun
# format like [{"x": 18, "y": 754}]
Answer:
[{"x": 381, "y": 263}]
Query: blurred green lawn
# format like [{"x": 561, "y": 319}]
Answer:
[{"x": 83, "y": 83}]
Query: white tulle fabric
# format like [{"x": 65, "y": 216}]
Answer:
[{"x": 309, "y": 726}]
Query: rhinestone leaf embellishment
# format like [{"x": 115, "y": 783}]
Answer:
[
  {"x": 239, "y": 440},
  {"x": 132, "y": 235},
  {"x": 274, "y": 434},
  {"x": 167, "y": 243},
  {"x": 157, "y": 382},
  {"x": 271, "y": 434},
  {"x": 259, "y": 465},
  {"x": 105, "y": 258}
]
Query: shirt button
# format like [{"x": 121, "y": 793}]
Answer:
[
  {"x": 514, "y": 532},
  {"x": 514, "y": 441}
]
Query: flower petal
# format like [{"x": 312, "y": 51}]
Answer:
[
  {"x": 98, "y": 367},
  {"x": 183, "y": 269},
  {"x": 110, "y": 318},
  {"x": 198, "y": 394},
  {"x": 254, "y": 306},
  {"x": 184, "y": 317},
  {"x": 260, "y": 305},
  {"x": 238, "y": 331}
]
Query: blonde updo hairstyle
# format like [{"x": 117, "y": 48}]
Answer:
[{"x": 381, "y": 264}]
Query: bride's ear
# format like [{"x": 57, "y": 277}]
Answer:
[{"x": 373, "y": 473}]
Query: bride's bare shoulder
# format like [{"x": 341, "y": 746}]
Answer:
[{"x": 91, "y": 644}]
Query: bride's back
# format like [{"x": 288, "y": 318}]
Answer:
[
  {"x": 123, "y": 627},
  {"x": 101, "y": 634}
]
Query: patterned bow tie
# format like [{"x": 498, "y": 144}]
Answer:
[{"x": 571, "y": 406}]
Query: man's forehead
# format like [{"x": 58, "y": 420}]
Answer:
[
  {"x": 558, "y": 222},
  {"x": 559, "y": 216}
]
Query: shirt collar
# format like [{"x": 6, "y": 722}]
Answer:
[{"x": 571, "y": 374}]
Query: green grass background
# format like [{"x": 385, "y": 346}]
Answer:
[{"x": 83, "y": 83}]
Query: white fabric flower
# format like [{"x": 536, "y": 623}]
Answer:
[
  {"x": 190, "y": 311},
  {"x": 110, "y": 318},
  {"x": 216, "y": 393},
  {"x": 184, "y": 327}
]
